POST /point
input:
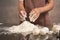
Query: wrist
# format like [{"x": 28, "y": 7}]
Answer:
[
  {"x": 41, "y": 10},
  {"x": 22, "y": 9}
]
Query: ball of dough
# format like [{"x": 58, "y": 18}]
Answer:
[
  {"x": 36, "y": 31},
  {"x": 44, "y": 31},
  {"x": 56, "y": 28}
]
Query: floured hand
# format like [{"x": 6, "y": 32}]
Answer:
[
  {"x": 34, "y": 14},
  {"x": 22, "y": 15}
]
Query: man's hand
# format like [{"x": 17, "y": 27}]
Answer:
[
  {"x": 34, "y": 14},
  {"x": 22, "y": 12},
  {"x": 23, "y": 15}
]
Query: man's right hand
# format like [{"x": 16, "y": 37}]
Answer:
[
  {"x": 22, "y": 12},
  {"x": 23, "y": 15}
]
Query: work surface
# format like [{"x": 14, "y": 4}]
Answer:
[
  {"x": 27, "y": 32},
  {"x": 13, "y": 36},
  {"x": 6, "y": 35}
]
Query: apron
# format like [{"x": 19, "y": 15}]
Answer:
[{"x": 43, "y": 19}]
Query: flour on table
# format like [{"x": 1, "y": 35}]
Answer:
[{"x": 24, "y": 28}]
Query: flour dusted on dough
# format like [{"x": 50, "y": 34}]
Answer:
[
  {"x": 36, "y": 31},
  {"x": 27, "y": 28},
  {"x": 56, "y": 28},
  {"x": 24, "y": 28},
  {"x": 44, "y": 31}
]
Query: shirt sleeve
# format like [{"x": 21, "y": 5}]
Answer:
[{"x": 21, "y": 0}]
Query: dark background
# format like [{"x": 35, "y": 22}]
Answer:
[{"x": 9, "y": 12}]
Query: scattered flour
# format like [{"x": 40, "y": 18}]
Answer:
[
  {"x": 24, "y": 28},
  {"x": 56, "y": 28},
  {"x": 44, "y": 31}
]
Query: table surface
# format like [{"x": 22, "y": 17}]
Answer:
[{"x": 6, "y": 35}]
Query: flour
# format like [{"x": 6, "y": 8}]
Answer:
[
  {"x": 44, "y": 31},
  {"x": 27, "y": 28},
  {"x": 24, "y": 28},
  {"x": 56, "y": 28}
]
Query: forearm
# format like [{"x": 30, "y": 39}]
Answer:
[
  {"x": 48, "y": 6},
  {"x": 21, "y": 5}
]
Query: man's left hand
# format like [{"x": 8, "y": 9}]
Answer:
[{"x": 34, "y": 14}]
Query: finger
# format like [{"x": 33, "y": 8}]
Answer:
[
  {"x": 31, "y": 13},
  {"x": 21, "y": 18},
  {"x": 20, "y": 14},
  {"x": 35, "y": 17},
  {"x": 32, "y": 18},
  {"x": 23, "y": 13}
]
